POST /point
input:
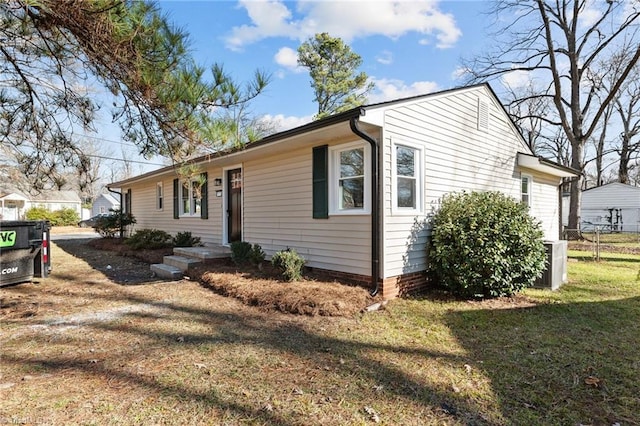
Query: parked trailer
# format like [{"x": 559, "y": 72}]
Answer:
[{"x": 24, "y": 251}]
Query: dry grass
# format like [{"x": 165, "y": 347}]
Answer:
[{"x": 80, "y": 348}]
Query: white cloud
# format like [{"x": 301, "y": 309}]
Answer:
[
  {"x": 283, "y": 123},
  {"x": 288, "y": 58},
  {"x": 590, "y": 14},
  {"x": 385, "y": 57},
  {"x": 516, "y": 79},
  {"x": 345, "y": 19},
  {"x": 389, "y": 90},
  {"x": 459, "y": 73}
]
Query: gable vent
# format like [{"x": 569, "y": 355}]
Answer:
[{"x": 483, "y": 115}]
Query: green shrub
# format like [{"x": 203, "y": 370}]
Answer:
[
  {"x": 67, "y": 217},
  {"x": 62, "y": 217},
  {"x": 240, "y": 251},
  {"x": 149, "y": 239},
  {"x": 290, "y": 264},
  {"x": 485, "y": 244},
  {"x": 256, "y": 255},
  {"x": 185, "y": 239},
  {"x": 109, "y": 226},
  {"x": 39, "y": 213}
]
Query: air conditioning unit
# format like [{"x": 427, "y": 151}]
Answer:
[{"x": 555, "y": 273}]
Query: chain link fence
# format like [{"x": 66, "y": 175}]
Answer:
[{"x": 603, "y": 239}]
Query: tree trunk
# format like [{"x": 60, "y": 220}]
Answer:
[
  {"x": 623, "y": 167},
  {"x": 576, "y": 186}
]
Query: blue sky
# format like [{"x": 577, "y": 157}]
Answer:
[{"x": 408, "y": 48}]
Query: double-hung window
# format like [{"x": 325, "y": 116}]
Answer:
[
  {"x": 190, "y": 197},
  {"x": 407, "y": 176},
  {"x": 349, "y": 187},
  {"x": 525, "y": 189},
  {"x": 159, "y": 196}
]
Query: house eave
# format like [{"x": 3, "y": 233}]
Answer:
[
  {"x": 268, "y": 141},
  {"x": 542, "y": 165}
]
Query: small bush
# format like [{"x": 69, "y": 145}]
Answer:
[
  {"x": 243, "y": 252},
  {"x": 67, "y": 217},
  {"x": 240, "y": 251},
  {"x": 185, "y": 239},
  {"x": 149, "y": 239},
  {"x": 256, "y": 255},
  {"x": 485, "y": 244},
  {"x": 290, "y": 264},
  {"x": 62, "y": 217},
  {"x": 39, "y": 213},
  {"x": 109, "y": 226}
]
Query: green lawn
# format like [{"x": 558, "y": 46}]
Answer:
[
  {"x": 567, "y": 357},
  {"x": 84, "y": 350}
]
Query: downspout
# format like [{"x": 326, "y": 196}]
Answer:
[
  {"x": 375, "y": 206},
  {"x": 120, "y": 198}
]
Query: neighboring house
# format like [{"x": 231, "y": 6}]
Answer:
[
  {"x": 353, "y": 193},
  {"x": 611, "y": 207},
  {"x": 104, "y": 203},
  {"x": 57, "y": 200},
  {"x": 13, "y": 205}
]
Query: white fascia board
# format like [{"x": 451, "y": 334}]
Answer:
[{"x": 536, "y": 163}]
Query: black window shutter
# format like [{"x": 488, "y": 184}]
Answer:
[
  {"x": 176, "y": 205},
  {"x": 321, "y": 182},
  {"x": 204, "y": 192}
]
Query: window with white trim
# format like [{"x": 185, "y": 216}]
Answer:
[
  {"x": 350, "y": 184},
  {"x": 525, "y": 189},
  {"x": 407, "y": 177},
  {"x": 190, "y": 197},
  {"x": 159, "y": 196}
]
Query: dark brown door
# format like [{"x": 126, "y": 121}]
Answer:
[{"x": 234, "y": 205}]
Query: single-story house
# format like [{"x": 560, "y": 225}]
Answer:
[
  {"x": 104, "y": 203},
  {"x": 353, "y": 192},
  {"x": 612, "y": 207},
  {"x": 53, "y": 200},
  {"x": 13, "y": 205}
]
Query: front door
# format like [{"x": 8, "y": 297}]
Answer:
[{"x": 234, "y": 205}]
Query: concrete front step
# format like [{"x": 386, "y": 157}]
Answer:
[
  {"x": 167, "y": 271},
  {"x": 203, "y": 253},
  {"x": 181, "y": 262}
]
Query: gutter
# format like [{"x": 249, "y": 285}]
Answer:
[
  {"x": 375, "y": 206},
  {"x": 121, "y": 205}
]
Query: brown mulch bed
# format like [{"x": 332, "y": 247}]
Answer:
[
  {"x": 263, "y": 288},
  {"x": 266, "y": 290}
]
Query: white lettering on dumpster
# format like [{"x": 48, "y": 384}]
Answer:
[{"x": 6, "y": 271}]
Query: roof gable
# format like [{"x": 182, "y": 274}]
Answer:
[
  {"x": 369, "y": 114},
  {"x": 617, "y": 185},
  {"x": 65, "y": 196}
]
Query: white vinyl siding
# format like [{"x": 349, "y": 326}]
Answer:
[
  {"x": 278, "y": 214},
  {"x": 544, "y": 203},
  {"x": 625, "y": 199},
  {"x": 146, "y": 215},
  {"x": 457, "y": 157}
]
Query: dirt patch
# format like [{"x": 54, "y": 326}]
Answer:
[
  {"x": 122, "y": 266},
  {"x": 260, "y": 288},
  {"x": 117, "y": 246}
]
